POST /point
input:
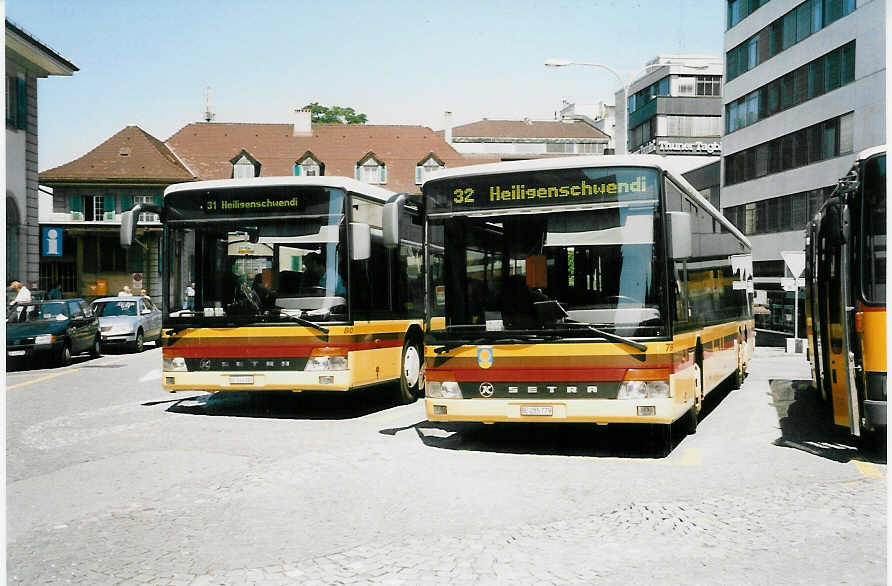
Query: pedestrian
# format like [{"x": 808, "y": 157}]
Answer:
[
  {"x": 125, "y": 291},
  {"x": 143, "y": 293},
  {"x": 190, "y": 296},
  {"x": 23, "y": 294},
  {"x": 55, "y": 292}
]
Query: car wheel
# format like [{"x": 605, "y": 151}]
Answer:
[
  {"x": 96, "y": 349},
  {"x": 65, "y": 356},
  {"x": 139, "y": 343}
]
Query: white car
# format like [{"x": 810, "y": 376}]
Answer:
[{"x": 130, "y": 321}]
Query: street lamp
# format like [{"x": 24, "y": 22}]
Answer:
[{"x": 556, "y": 62}]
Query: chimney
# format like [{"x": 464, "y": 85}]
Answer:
[
  {"x": 447, "y": 128},
  {"x": 302, "y": 125}
]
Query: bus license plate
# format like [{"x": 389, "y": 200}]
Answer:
[
  {"x": 16, "y": 353},
  {"x": 546, "y": 410},
  {"x": 242, "y": 380}
]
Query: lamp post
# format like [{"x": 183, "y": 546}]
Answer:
[{"x": 556, "y": 62}]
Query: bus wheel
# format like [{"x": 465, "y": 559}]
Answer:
[
  {"x": 691, "y": 418},
  {"x": 411, "y": 372},
  {"x": 739, "y": 374}
]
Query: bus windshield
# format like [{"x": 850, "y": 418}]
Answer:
[
  {"x": 270, "y": 267},
  {"x": 874, "y": 227},
  {"x": 559, "y": 270}
]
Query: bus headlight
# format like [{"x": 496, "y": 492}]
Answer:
[
  {"x": 327, "y": 363},
  {"x": 176, "y": 363},
  {"x": 639, "y": 389},
  {"x": 442, "y": 390},
  {"x": 45, "y": 339}
]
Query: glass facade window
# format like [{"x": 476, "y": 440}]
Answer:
[
  {"x": 778, "y": 214},
  {"x": 826, "y": 73},
  {"x": 804, "y": 20},
  {"x": 740, "y": 9},
  {"x": 812, "y": 144}
]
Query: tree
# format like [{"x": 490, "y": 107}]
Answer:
[{"x": 334, "y": 115}]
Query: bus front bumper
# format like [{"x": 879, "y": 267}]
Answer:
[
  {"x": 317, "y": 380},
  {"x": 601, "y": 411}
]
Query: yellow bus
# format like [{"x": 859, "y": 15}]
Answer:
[
  {"x": 586, "y": 289},
  {"x": 283, "y": 283},
  {"x": 846, "y": 298}
]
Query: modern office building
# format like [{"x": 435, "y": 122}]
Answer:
[
  {"x": 673, "y": 108},
  {"x": 804, "y": 92}
]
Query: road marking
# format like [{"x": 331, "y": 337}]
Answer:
[
  {"x": 691, "y": 457},
  {"x": 41, "y": 379},
  {"x": 868, "y": 469}
]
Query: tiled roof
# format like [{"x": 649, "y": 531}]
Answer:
[
  {"x": 208, "y": 147},
  {"x": 131, "y": 155},
  {"x": 527, "y": 129}
]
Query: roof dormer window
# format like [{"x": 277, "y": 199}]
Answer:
[
  {"x": 371, "y": 170},
  {"x": 309, "y": 166},
  {"x": 245, "y": 166},
  {"x": 429, "y": 165}
]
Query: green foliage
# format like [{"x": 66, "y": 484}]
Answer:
[{"x": 334, "y": 115}]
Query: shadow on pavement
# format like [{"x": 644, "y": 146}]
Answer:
[
  {"x": 285, "y": 404},
  {"x": 617, "y": 440},
  {"x": 806, "y": 423},
  {"x": 551, "y": 439}
]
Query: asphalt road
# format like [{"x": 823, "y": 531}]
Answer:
[{"x": 111, "y": 480}]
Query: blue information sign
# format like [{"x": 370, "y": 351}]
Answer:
[{"x": 51, "y": 241}]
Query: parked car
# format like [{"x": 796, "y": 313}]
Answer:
[
  {"x": 129, "y": 321},
  {"x": 55, "y": 330}
]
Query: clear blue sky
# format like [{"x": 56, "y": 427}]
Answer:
[{"x": 400, "y": 62}]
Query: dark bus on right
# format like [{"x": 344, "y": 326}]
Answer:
[{"x": 845, "y": 250}]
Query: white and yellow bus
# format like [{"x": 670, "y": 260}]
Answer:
[
  {"x": 586, "y": 289},
  {"x": 282, "y": 283}
]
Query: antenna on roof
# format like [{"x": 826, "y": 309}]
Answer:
[{"x": 208, "y": 113}]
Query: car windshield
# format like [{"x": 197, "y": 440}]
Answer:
[
  {"x": 31, "y": 312},
  {"x": 554, "y": 271},
  {"x": 113, "y": 308}
]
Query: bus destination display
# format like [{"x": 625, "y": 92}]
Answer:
[
  {"x": 573, "y": 186},
  {"x": 236, "y": 204}
]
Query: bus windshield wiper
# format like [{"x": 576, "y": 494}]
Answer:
[
  {"x": 300, "y": 320},
  {"x": 605, "y": 335},
  {"x": 453, "y": 344}
]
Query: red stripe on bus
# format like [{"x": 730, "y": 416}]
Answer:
[
  {"x": 531, "y": 374},
  {"x": 270, "y": 350}
]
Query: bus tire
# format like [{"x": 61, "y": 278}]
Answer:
[
  {"x": 411, "y": 372},
  {"x": 739, "y": 374},
  {"x": 691, "y": 418}
]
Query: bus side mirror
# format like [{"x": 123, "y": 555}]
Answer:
[
  {"x": 837, "y": 220},
  {"x": 361, "y": 241},
  {"x": 131, "y": 217},
  {"x": 391, "y": 220},
  {"x": 128, "y": 227},
  {"x": 679, "y": 234}
]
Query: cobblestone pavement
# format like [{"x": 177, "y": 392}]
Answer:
[{"x": 130, "y": 486}]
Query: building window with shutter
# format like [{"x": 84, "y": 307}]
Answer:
[
  {"x": 371, "y": 170},
  {"x": 425, "y": 168},
  {"x": 244, "y": 166},
  {"x": 309, "y": 166},
  {"x": 146, "y": 217},
  {"x": 16, "y": 102}
]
